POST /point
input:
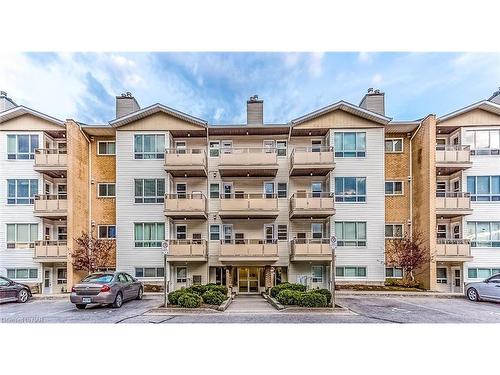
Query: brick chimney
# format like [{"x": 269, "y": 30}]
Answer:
[
  {"x": 374, "y": 101},
  {"x": 125, "y": 104},
  {"x": 5, "y": 102},
  {"x": 255, "y": 111},
  {"x": 495, "y": 98}
]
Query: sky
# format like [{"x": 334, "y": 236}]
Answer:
[{"x": 215, "y": 86}]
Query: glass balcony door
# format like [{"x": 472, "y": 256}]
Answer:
[{"x": 248, "y": 280}]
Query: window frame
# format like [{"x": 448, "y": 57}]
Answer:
[
  {"x": 157, "y": 155},
  {"x": 108, "y": 227},
  {"x": 107, "y": 184},
  {"x": 341, "y": 241},
  {"x": 393, "y": 269},
  {"x": 490, "y": 271},
  {"x": 315, "y": 278},
  {"x": 341, "y": 153},
  {"x": 61, "y": 280},
  {"x": 31, "y": 194},
  {"x": 278, "y": 190},
  {"x": 216, "y": 149},
  {"x": 393, "y": 183},
  {"x": 153, "y": 243},
  {"x": 341, "y": 275},
  {"x": 281, "y": 148},
  {"x": 282, "y": 234},
  {"x": 358, "y": 198},
  {"x": 107, "y": 143},
  {"x": 181, "y": 280},
  {"x": 13, "y": 245},
  {"x": 31, "y": 148},
  {"x": 442, "y": 280},
  {"x": 16, "y": 269},
  {"x": 473, "y": 237},
  {"x": 393, "y": 145},
  {"x": 158, "y": 199},
  {"x": 158, "y": 274},
  {"x": 210, "y": 190},
  {"x": 482, "y": 151},
  {"x": 218, "y": 233},
  {"x": 393, "y": 225},
  {"x": 491, "y": 197}
]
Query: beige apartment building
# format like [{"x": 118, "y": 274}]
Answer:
[{"x": 252, "y": 205}]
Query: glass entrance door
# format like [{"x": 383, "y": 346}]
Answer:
[{"x": 248, "y": 279}]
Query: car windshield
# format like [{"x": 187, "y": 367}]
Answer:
[{"x": 98, "y": 278}]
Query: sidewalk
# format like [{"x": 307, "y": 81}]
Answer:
[{"x": 394, "y": 293}]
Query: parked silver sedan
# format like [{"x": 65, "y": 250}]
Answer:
[
  {"x": 106, "y": 288},
  {"x": 489, "y": 289}
]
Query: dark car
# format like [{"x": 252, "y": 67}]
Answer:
[
  {"x": 106, "y": 288},
  {"x": 10, "y": 291}
]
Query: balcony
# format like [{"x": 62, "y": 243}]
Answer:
[
  {"x": 186, "y": 206},
  {"x": 314, "y": 249},
  {"x": 457, "y": 250},
  {"x": 187, "y": 251},
  {"x": 311, "y": 205},
  {"x": 51, "y": 251},
  {"x": 452, "y": 204},
  {"x": 311, "y": 161},
  {"x": 248, "y": 162},
  {"x": 51, "y": 206},
  {"x": 242, "y": 205},
  {"x": 186, "y": 162},
  {"x": 51, "y": 161},
  {"x": 452, "y": 158},
  {"x": 248, "y": 250}
]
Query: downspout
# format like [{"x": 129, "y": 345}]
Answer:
[{"x": 411, "y": 177}]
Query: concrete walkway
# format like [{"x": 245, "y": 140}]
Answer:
[{"x": 254, "y": 304}]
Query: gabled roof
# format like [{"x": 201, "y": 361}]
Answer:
[
  {"x": 155, "y": 108},
  {"x": 22, "y": 110},
  {"x": 344, "y": 106},
  {"x": 483, "y": 104}
]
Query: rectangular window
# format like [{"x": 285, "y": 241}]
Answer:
[
  {"x": 483, "y": 142},
  {"x": 394, "y": 145},
  {"x": 22, "y": 273},
  {"x": 181, "y": 274},
  {"x": 149, "y": 146},
  {"x": 482, "y": 273},
  {"x": 442, "y": 231},
  {"x": 21, "y": 146},
  {"x": 214, "y": 191},
  {"x": 62, "y": 233},
  {"x": 484, "y": 233},
  {"x": 350, "y": 271},
  {"x": 106, "y": 148},
  {"x": 317, "y": 274},
  {"x": 149, "y": 234},
  {"x": 152, "y": 272},
  {"x": 442, "y": 277},
  {"x": 350, "y": 144},
  {"x": 393, "y": 272},
  {"x": 394, "y": 231},
  {"x": 350, "y": 233},
  {"x": 282, "y": 190},
  {"x": 18, "y": 234},
  {"x": 350, "y": 189},
  {"x": 149, "y": 190},
  {"x": 214, "y": 232},
  {"x": 62, "y": 276},
  {"x": 181, "y": 232},
  {"x": 22, "y": 191},
  {"x": 281, "y": 148},
  {"x": 317, "y": 230},
  {"x": 282, "y": 232},
  {"x": 106, "y": 231},
  {"x": 106, "y": 190},
  {"x": 394, "y": 188},
  {"x": 484, "y": 188},
  {"x": 214, "y": 149}
]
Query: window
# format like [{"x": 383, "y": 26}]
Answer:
[
  {"x": 350, "y": 189},
  {"x": 180, "y": 147},
  {"x": 394, "y": 145},
  {"x": 317, "y": 274},
  {"x": 22, "y": 273},
  {"x": 316, "y": 145},
  {"x": 394, "y": 231},
  {"x": 350, "y": 233},
  {"x": 181, "y": 274},
  {"x": 106, "y": 148},
  {"x": 21, "y": 234},
  {"x": 149, "y": 146},
  {"x": 350, "y": 271},
  {"x": 214, "y": 149},
  {"x": 281, "y": 148},
  {"x": 282, "y": 190},
  {"x": 442, "y": 277},
  {"x": 62, "y": 233},
  {"x": 484, "y": 188},
  {"x": 180, "y": 232},
  {"x": 317, "y": 230},
  {"x": 106, "y": 190},
  {"x": 106, "y": 231},
  {"x": 282, "y": 232},
  {"x": 214, "y": 191},
  {"x": 21, "y": 191},
  {"x": 149, "y": 272},
  {"x": 484, "y": 233},
  {"x": 393, "y": 272},
  {"x": 62, "y": 276},
  {"x": 149, "y": 234},
  {"x": 483, "y": 142},
  {"x": 482, "y": 273},
  {"x": 214, "y": 232},
  {"x": 21, "y": 146},
  {"x": 269, "y": 189},
  {"x": 394, "y": 188},
  {"x": 316, "y": 189},
  {"x": 149, "y": 190},
  {"x": 350, "y": 144}
]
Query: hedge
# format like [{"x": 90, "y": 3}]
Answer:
[
  {"x": 173, "y": 297},
  {"x": 275, "y": 290},
  {"x": 219, "y": 288},
  {"x": 190, "y": 300},
  {"x": 324, "y": 292},
  {"x": 312, "y": 299},
  {"x": 289, "y": 297},
  {"x": 213, "y": 297}
]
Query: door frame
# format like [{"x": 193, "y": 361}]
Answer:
[
  {"x": 453, "y": 279},
  {"x": 248, "y": 280},
  {"x": 48, "y": 290}
]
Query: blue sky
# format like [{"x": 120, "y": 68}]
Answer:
[{"x": 215, "y": 86}]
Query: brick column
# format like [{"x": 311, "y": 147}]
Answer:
[{"x": 268, "y": 277}]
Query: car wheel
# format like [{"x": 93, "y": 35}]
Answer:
[
  {"x": 472, "y": 294},
  {"x": 118, "y": 301},
  {"x": 140, "y": 294},
  {"x": 22, "y": 296},
  {"x": 80, "y": 306}
]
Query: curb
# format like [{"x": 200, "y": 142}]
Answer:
[
  {"x": 224, "y": 305},
  {"x": 273, "y": 302},
  {"x": 400, "y": 294}
]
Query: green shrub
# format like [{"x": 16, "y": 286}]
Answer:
[
  {"x": 198, "y": 289},
  {"x": 213, "y": 297},
  {"x": 190, "y": 300},
  {"x": 324, "y": 292},
  {"x": 313, "y": 299},
  {"x": 289, "y": 297},
  {"x": 173, "y": 297},
  {"x": 275, "y": 290},
  {"x": 219, "y": 288}
]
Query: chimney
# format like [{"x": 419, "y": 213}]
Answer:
[
  {"x": 495, "y": 98},
  {"x": 125, "y": 104},
  {"x": 5, "y": 102},
  {"x": 255, "y": 111},
  {"x": 374, "y": 101}
]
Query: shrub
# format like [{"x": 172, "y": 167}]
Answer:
[
  {"x": 289, "y": 297},
  {"x": 219, "y": 288},
  {"x": 313, "y": 299},
  {"x": 324, "y": 292},
  {"x": 190, "y": 300},
  {"x": 275, "y": 290},
  {"x": 173, "y": 297},
  {"x": 213, "y": 297},
  {"x": 403, "y": 283},
  {"x": 198, "y": 289}
]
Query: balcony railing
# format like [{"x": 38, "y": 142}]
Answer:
[
  {"x": 248, "y": 249},
  {"x": 310, "y": 249},
  {"x": 453, "y": 249},
  {"x": 186, "y": 162},
  {"x": 51, "y": 205},
  {"x": 315, "y": 160},
  {"x": 187, "y": 250},
  {"x": 248, "y": 205},
  {"x": 453, "y": 203},
  {"x": 248, "y": 161},
  {"x": 51, "y": 250},
  {"x": 453, "y": 154},
  {"x": 51, "y": 159},
  {"x": 185, "y": 205},
  {"x": 316, "y": 204}
]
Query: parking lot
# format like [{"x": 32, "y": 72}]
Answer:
[{"x": 361, "y": 309}]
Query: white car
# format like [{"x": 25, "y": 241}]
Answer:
[{"x": 489, "y": 289}]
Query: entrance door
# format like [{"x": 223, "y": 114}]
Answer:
[
  {"x": 269, "y": 233},
  {"x": 181, "y": 190},
  {"x": 248, "y": 280},
  {"x": 228, "y": 189},
  {"x": 47, "y": 280},
  {"x": 269, "y": 189},
  {"x": 456, "y": 286}
]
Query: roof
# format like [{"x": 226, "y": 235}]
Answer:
[
  {"x": 483, "y": 104},
  {"x": 155, "y": 108},
  {"x": 22, "y": 110},
  {"x": 344, "y": 106},
  {"x": 402, "y": 126}
]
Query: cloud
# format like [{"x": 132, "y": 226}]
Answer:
[
  {"x": 365, "y": 57},
  {"x": 377, "y": 79},
  {"x": 316, "y": 64}
]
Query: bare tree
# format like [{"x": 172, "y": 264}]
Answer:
[
  {"x": 408, "y": 252},
  {"x": 92, "y": 253}
]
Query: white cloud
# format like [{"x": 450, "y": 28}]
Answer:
[
  {"x": 218, "y": 114},
  {"x": 377, "y": 79},
  {"x": 316, "y": 64},
  {"x": 365, "y": 57}
]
